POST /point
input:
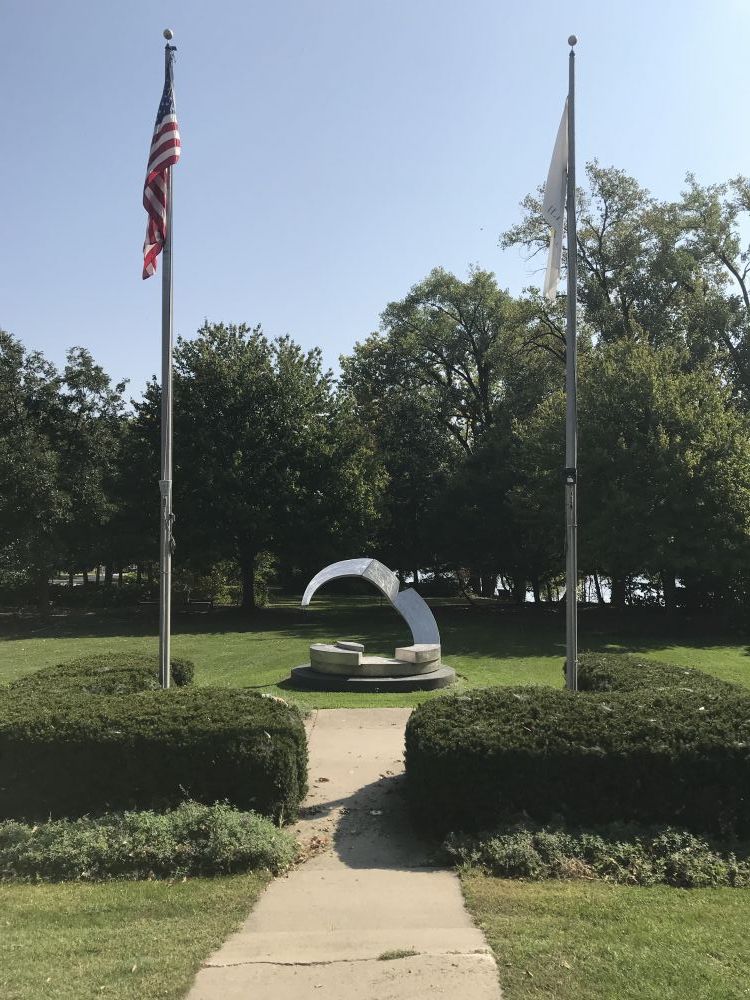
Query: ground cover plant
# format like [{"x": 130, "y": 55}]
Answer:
[
  {"x": 66, "y": 749},
  {"x": 193, "y": 839},
  {"x": 620, "y": 854}
]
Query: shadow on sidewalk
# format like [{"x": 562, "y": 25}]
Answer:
[{"x": 372, "y": 827}]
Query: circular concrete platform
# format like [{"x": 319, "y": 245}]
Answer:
[{"x": 306, "y": 677}]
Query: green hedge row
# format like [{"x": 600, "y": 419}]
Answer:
[
  {"x": 625, "y": 672},
  {"x": 651, "y": 756},
  {"x": 113, "y": 673},
  {"x": 66, "y": 750}
]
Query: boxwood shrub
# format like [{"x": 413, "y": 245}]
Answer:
[
  {"x": 651, "y": 756},
  {"x": 67, "y": 748},
  {"x": 625, "y": 672},
  {"x": 106, "y": 673}
]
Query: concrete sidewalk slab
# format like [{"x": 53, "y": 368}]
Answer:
[{"x": 368, "y": 888}]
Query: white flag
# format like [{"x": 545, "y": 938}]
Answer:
[{"x": 553, "y": 209}]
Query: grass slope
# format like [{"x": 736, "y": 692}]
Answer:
[
  {"x": 486, "y": 648},
  {"x": 123, "y": 940},
  {"x": 592, "y": 941}
]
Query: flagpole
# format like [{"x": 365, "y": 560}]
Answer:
[
  {"x": 571, "y": 417},
  {"x": 165, "y": 482}
]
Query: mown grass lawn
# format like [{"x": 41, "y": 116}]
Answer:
[
  {"x": 231, "y": 649},
  {"x": 129, "y": 940},
  {"x": 553, "y": 940},
  {"x": 592, "y": 941}
]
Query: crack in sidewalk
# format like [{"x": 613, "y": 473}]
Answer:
[{"x": 476, "y": 953}]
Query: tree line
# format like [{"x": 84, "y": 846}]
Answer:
[{"x": 440, "y": 448}]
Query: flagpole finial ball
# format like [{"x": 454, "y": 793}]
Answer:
[
  {"x": 168, "y": 34},
  {"x": 572, "y": 40}
]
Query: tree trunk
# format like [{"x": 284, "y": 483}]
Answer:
[
  {"x": 598, "y": 589},
  {"x": 98, "y": 574},
  {"x": 548, "y": 588},
  {"x": 71, "y": 579},
  {"x": 119, "y": 577},
  {"x": 536, "y": 588},
  {"x": 42, "y": 593},
  {"x": 138, "y": 575},
  {"x": 247, "y": 572},
  {"x": 150, "y": 574},
  {"x": 518, "y": 589},
  {"x": 619, "y": 590},
  {"x": 108, "y": 574},
  {"x": 669, "y": 586},
  {"x": 85, "y": 578},
  {"x": 488, "y": 584},
  {"x": 415, "y": 574}
]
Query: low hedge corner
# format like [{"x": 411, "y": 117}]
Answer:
[
  {"x": 86, "y": 739},
  {"x": 651, "y": 755}
]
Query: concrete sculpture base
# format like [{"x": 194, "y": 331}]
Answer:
[
  {"x": 307, "y": 677},
  {"x": 342, "y": 666}
]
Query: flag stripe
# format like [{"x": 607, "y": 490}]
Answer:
[{"x": 163, "y": 154}]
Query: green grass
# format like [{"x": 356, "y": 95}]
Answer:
[
  {"x": 592, "y": 941},
  {"x": 485, "y": 647},
  {"x": 124, "y": 940}
]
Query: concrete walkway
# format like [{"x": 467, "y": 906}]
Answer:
[{"x": 325, "y": 931}]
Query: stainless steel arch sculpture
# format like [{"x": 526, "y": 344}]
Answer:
[{"x": 409, "y": 604}]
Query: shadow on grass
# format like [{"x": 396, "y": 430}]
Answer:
[{"x": 467, "y": 631}]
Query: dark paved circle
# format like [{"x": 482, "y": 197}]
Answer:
[{"x": 306, "y": 677}]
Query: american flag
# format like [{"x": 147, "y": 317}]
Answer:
[{"x": 164, "y": 153}]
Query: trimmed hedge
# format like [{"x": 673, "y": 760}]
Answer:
[
  {"x": 193, "y": 839},
  {"x": 67, "y": 749},
  {"x": 651, "y": 757},
  {"x": 108, "y": 673},
  {"x": 625, "y": 672}
]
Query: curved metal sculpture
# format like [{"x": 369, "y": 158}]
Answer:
[{"x": 412, "y": 608}]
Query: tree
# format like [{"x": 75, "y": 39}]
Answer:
[
  {"x": 264, "y": 457},
  {"x": 458, "y": 345},
  {"x": 33, "y": 505},
  {"x": 715, "y": 216},
  {"x": 87, "y": 436},
  {"x": 638, "y": 275},
  {"x": 664, "y": 471}
]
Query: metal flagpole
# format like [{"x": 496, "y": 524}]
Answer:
[
  {"x": 571, "y": 417},
  {"x": 165, "y": 482}
]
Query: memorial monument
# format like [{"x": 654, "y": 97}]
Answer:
[{"x": 343, "y": 666}]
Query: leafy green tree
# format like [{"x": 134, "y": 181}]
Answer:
[
  {"x": 646, "y": 269},
  {"x": 715, "y": 218},
  {"x": 266, "y": 459},
  {"x": 664, "y": 471},
  {"x": 87, "y": 436},
  {"x": 461, "y": 346},
  {"x": 455, "y": 362},
  {"x": 33, "y": 505}
]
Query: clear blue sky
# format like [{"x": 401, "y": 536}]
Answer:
[{"x": 333, "y": 151}]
